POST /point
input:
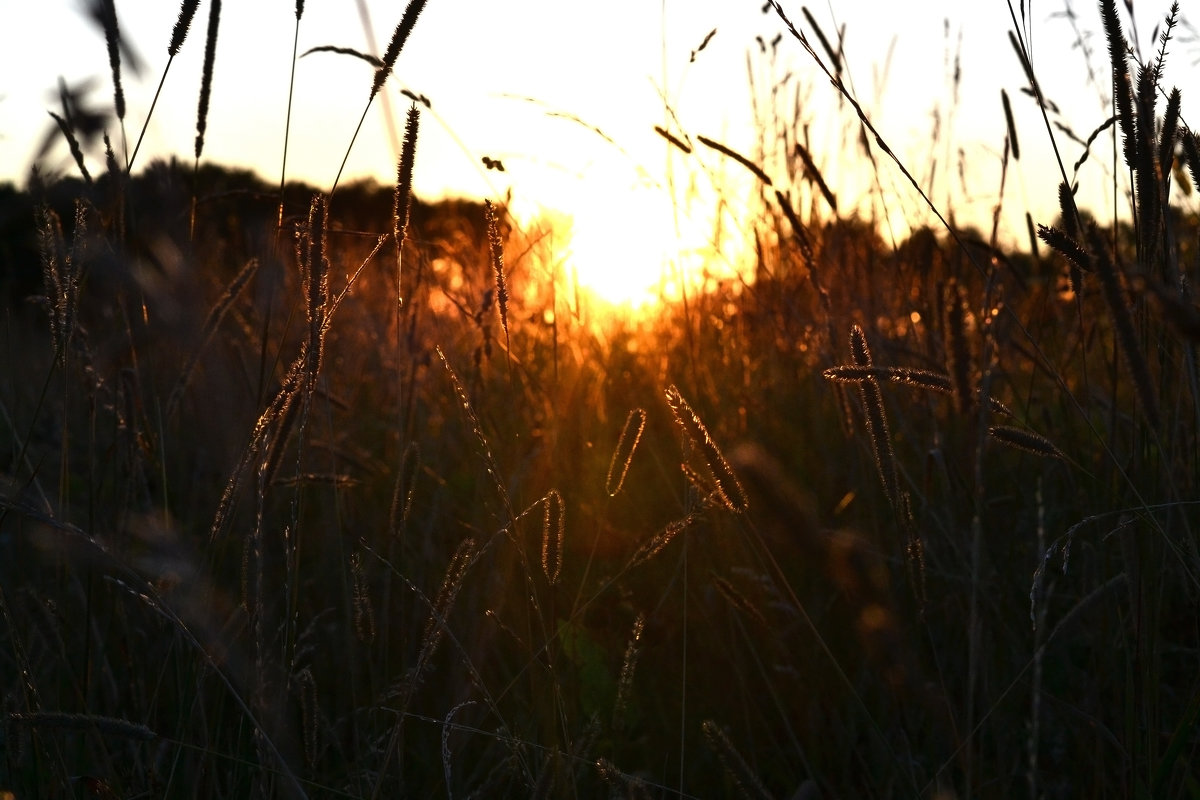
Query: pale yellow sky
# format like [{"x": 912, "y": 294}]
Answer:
[{"x": 527, "y": 81}]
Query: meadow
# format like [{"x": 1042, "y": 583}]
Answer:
[{"x": 346, "y": 495}]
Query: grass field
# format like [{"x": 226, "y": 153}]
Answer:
[{"x": 341, "y": 496}]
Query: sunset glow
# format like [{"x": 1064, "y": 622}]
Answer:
[
  {"x": 477, "y": 399},
  {"x": 633, "y": 249},
  {"x": 536, "y": 101}
]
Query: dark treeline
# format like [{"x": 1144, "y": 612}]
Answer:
[{"x": 236, "y": 216}]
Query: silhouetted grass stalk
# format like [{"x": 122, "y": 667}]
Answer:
[
  {"x": 187, "y": 10},
  {"x": 403, "y": 28},
  {"x": 210, "y": 56},
  {"x": 112, "y": 39},
  {"x": 287, "y": 123}
]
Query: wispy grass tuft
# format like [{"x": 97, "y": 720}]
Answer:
[
  {"x": 287, "y": 123},
  {"x": 112, "y": 39},
  {"x": 739, "y": 601},
  {"x": 62, "y": 273},
  {"x": 215, "y": 316},
  {"x": 628, "y": 667},
  {"x": 402, "y": 202},
  {"x": 877, "y": 426},
  {"x": 108, "y": 726},
  {"x": 814, "y": 174},
  {"x": 1122, "y": 80},
  {"x": 907, "y": 376},
  {"x": 1191, "y": 151},
  {"x": 403, "y": 28},
  {"x": 554, "y": 516},
  {"x": 406, "y": 489},
  {"x": 407, "y": 21},
  {"x": 206, "y": 76},
  {"x": 183, "y": 23},
  {"x": 1123, "y": 328},
  {"x": 622, "y": 457},
  {"x": 496, "y": 249},
  {"x": 661, "y": 539},
  {"x": 1010, "y": 125},
  {"x": 745, "y": 781},
  {"x": 364, "y": 612},
  {"x": 729, "y": 491},
  {"x": 1070, "y": 249},
  {"x": 440, "y": 608},
  {"x": 485, "y": 450},
  {"x": 708, "y": 37},
  {"x": 187, "y": 10},
  {"x": 1025, "y": 440},
  {"x": 834, "y": 56},
  {"x": 177, "y": 389},
  {"x": 673, "y": 139},
  {"x": 958, "y": 351},
  {"x": 374, "y": 61},
  {"x": 73, "y": 143},
  {"x": 725, "y": 150}
]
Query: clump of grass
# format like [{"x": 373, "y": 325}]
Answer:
[
  {"x": 462, "y": 671},
  {"x": 275, "y": 423},
  {"x": 62, "y": 272},
  {"x": 211, "y": 324}
]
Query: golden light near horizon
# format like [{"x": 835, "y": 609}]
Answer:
[
  {"x": 633, "y": 247},
  {"x": 636, "y": 238}
]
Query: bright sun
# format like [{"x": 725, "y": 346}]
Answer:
[{"x": 628, "y": 248}]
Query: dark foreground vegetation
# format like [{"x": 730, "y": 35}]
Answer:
[{"x": 334, "y": 499}]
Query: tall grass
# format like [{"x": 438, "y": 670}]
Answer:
[{"x": 913, "y": 519}]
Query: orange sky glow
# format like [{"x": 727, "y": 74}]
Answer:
[{"x": 566, "y": 96}]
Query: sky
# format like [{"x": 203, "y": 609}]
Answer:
[{"x": 566, "y": 95}]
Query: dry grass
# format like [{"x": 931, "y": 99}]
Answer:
[{"x": 277, "y": 521}]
